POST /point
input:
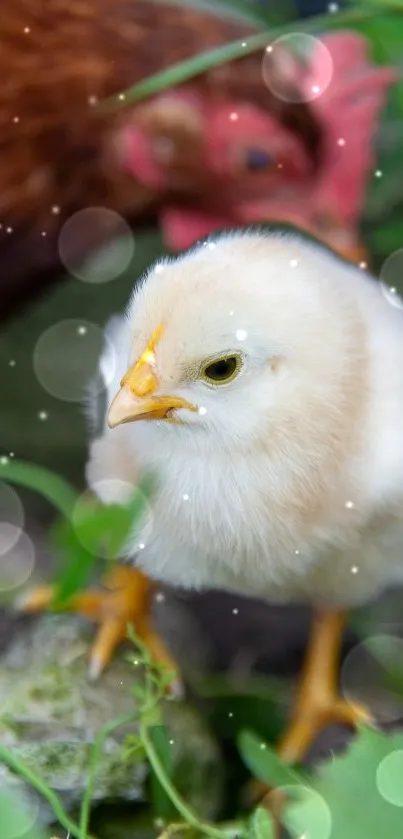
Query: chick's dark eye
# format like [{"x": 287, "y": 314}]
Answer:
[
  {"x": 222, "y": 370},
  {"x": 258, "y": 159}
]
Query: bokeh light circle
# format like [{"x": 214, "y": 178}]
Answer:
[
  {"x": 17, "y": 565},
  {"x": 297, "y": 67},
  {"x": 109, "y": 260},
  {"x": 307, "y": 815},
  {"x": 111, "y": 491},
  {"x": 389, "y": 778},
  {"x": 368, "y": 672},
  {"x": 12, "y": 518},
  {"x": 391, "y": 279},
  {"x": 66, "y": 359},
  {"x": 19, "y": 810}
]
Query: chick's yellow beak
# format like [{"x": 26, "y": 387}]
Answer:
[{"x": 138, "y": 397}]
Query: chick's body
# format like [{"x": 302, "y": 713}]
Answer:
[{"x": 287, "y": 483}]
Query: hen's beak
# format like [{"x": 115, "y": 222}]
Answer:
[{"x": 137, "y": 399}]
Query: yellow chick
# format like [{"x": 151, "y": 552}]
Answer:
[{"x": 259, "y": 375}]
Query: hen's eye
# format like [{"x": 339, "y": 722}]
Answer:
[{"x": 222, "y": 370}]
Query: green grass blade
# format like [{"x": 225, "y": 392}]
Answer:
[
  {"x": 186, "y": 70},
  {"x": 41, "y": 480}
]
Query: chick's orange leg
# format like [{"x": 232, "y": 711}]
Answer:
[
  {"x": 317, "y": 702},
  {"x": 124, "y": 599}
]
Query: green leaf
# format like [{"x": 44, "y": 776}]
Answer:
[
  {"x": 74, "y": 566},
  {"x": 261, "y": 824},
  {"x": 47, "y": 483},
  {"x": 351, "y": 796},
  {"x": 162, "y": 804},
  {"x": 95, "y": 530},
  {"x": 263, "y": 762}
]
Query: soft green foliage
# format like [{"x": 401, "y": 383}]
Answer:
[
  {"x": 88, "y": 528},
  {"x": 344, "y": 798}
]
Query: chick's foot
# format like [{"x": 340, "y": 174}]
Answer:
[
  {"x": 123, "y": 600},
  {"x": 317, "y": 703}
]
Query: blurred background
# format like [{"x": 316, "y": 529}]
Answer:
[{"x": 133, "y": 128}]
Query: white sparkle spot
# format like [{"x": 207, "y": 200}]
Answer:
[
  {"x": 4, "y": 460},
  {"x": 378, "y": 173},
  {"x": 44, "y": 233},
  {"x": 341, "y": 141},
  {"x": 231, "y": 313},
  {"x": 235, "y": 611},
  {"x": 141, "y": 546},
  {"x": 202, "y": 411},
  {"x": 43, "y": 415},
  {"x": 9, "y": 229},
  {"x": 160, "y": 597},
  {"x": 390, "y": 278},
  {"x": 11, "y": 454},
  {"x": 122, "y": 97},
  {"x": 159, "y": 268},
  {"x": 333, "y": 8},
  {"x": 171, "y": 742},
  {"x": 296, "y": 552},
  {"x": 231, "y": 714},
  {"x": 293, "y": 263},
  {"x": 211, "y": 246},
  {"x": 62, "y": 367},
  {"x": 354, "y": 569},
  {"x": 308, "y": 55},
  {"x": 27, "y": 30},
  {"x": 12, "y": 520},
  {"x": 11, "y": 363},
  {"x": 92, "y": 100},
  {"x": 241, "y": 334},
  {"x": 349, "y": 505},
  {"x": 362, "y": 265},
  {"x": 363, "y": 672},
  {"x": 243, "y": 43},
  {"x": 263, "y": 746},
  {"x": 16, "y": 119},
  {"x": 389, "y": 778},
  {"x": 233, "y": 116},
  {"x": 19, "y": 562},
  {"x": 55, "y": 210},
  {"x": 185, "y": 497},
  {"x": 116, "y": 245}
]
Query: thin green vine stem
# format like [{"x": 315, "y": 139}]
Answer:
[
  {"x": 96, "y": 750},
  {"x": 183, "y": 809},
  {"x": 19, "y": 767},
  {"x": 54, "y": 488}
]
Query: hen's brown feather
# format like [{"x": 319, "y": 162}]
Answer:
[{"x": 59, "y": 60}]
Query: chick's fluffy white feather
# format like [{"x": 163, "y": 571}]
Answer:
[{"x": 288, "y": 484}]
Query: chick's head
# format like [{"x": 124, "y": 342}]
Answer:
[{"x": 230, "y": 342}]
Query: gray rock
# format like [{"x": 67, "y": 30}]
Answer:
[{"x": 50, "y": 713}]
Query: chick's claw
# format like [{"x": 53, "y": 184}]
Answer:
[{"x": 123, "y": 600}]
